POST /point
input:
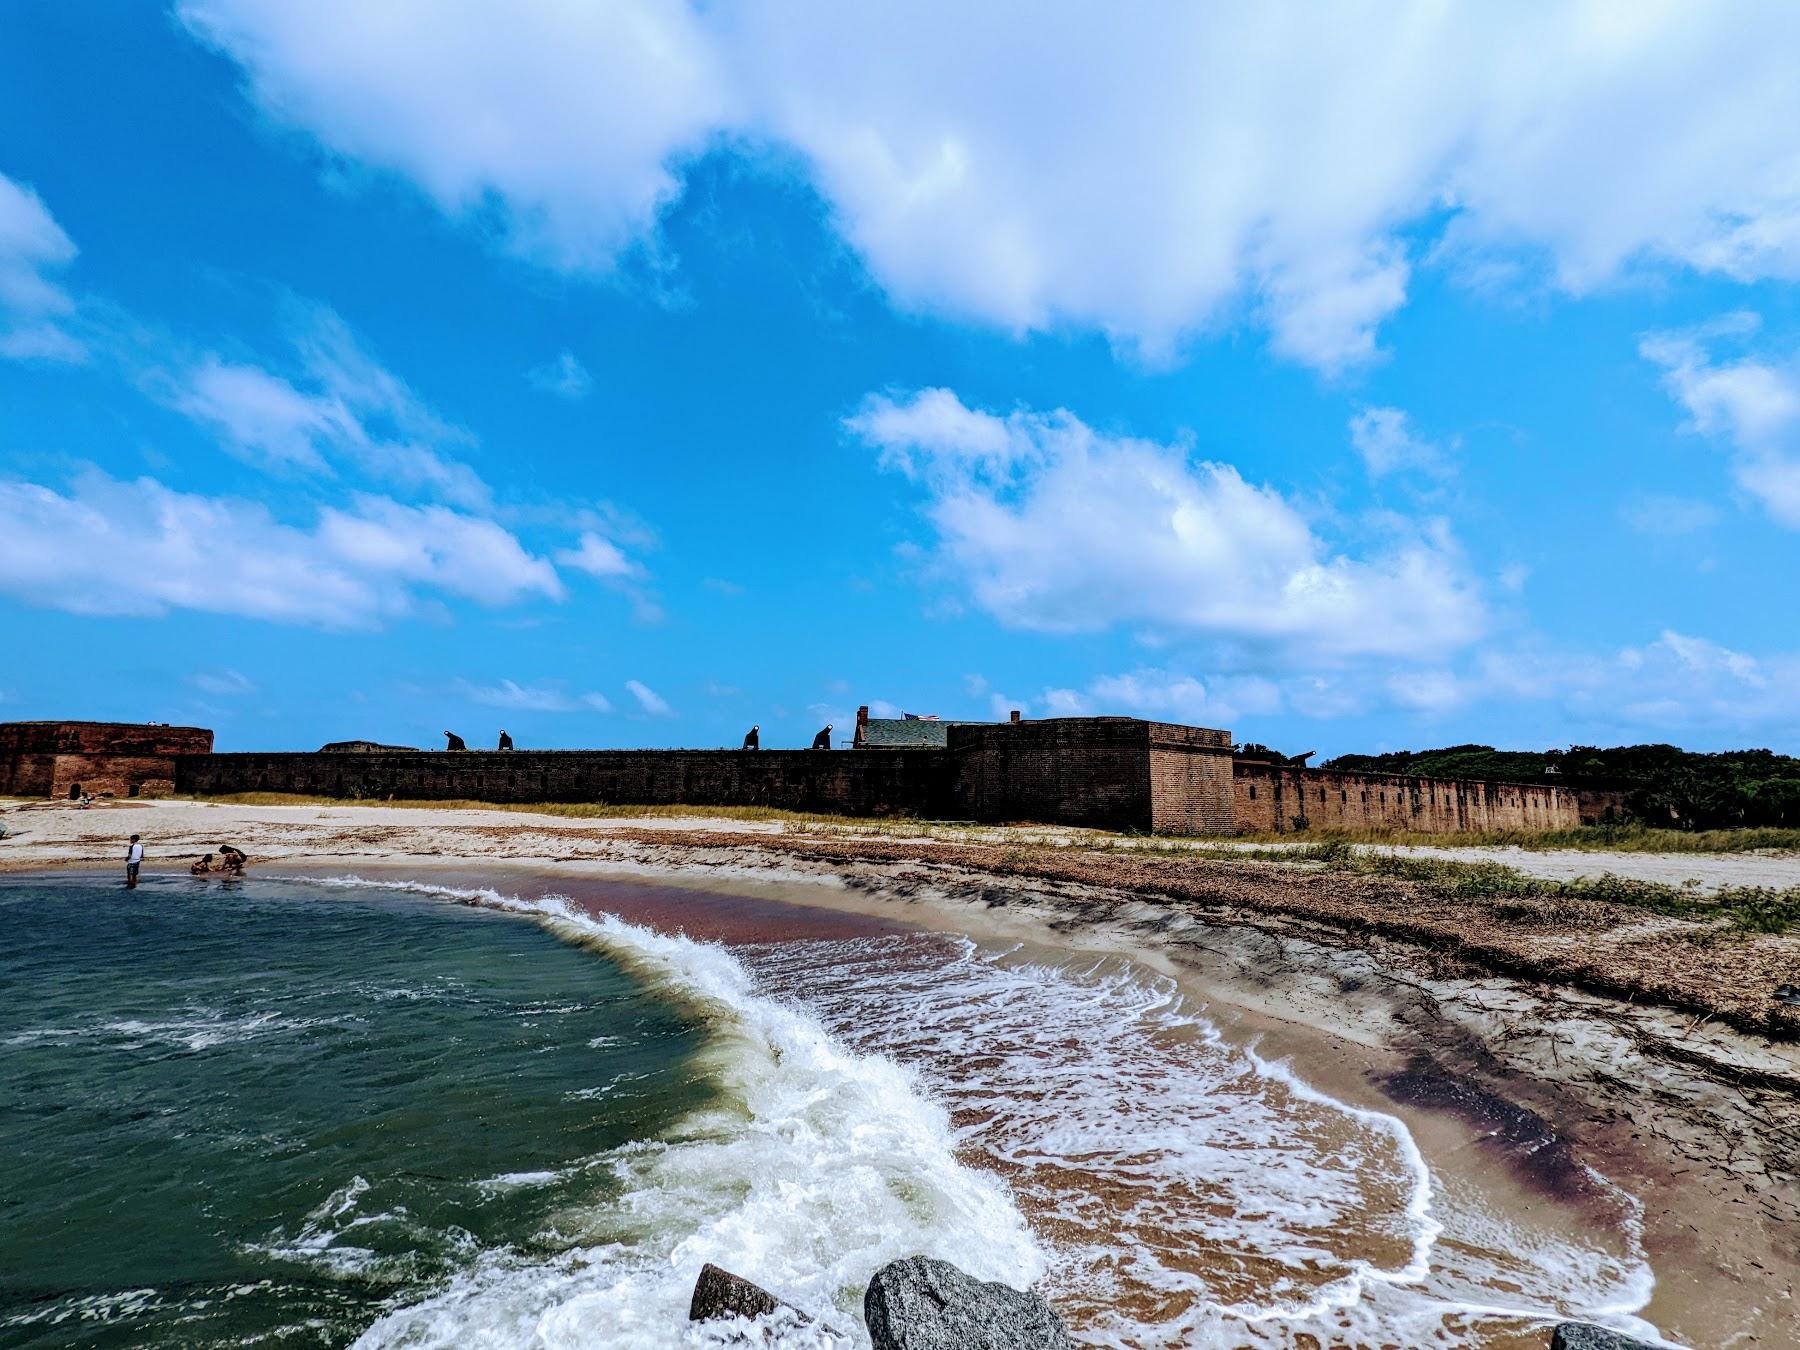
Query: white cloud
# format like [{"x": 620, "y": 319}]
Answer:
[
  {"x": 565, "y": 377},
  {"x": 1036, "y": 169},
  {"x": 32, "y": 246},
  {"x": 261, "y": 414},
  {"x": 1752, "y": 403},
  {"x": 563, "y": 120},
  {"x": 139, "y": 548},
  {"x": 1171, "y": 696},
  {"x": 598, "y": 557},
  {"x": 1055, "y": 527},
  {"x": 352, "y": 409},
  {"x": 527, "y": 698},
  {"x": 648, "y": 699},
  {"x": 1385, "y": 439}
]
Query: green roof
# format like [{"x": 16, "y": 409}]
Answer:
[{"x": 906, "y": 733}]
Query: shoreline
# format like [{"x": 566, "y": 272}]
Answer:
[{"x": 1472, "y": 1047}]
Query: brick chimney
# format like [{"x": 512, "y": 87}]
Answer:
[
  {"x": 862, "y": 726},
  {"x": 1015, "y": 716}
]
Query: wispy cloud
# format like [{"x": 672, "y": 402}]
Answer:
[
  {"x": 1751, "y": 402},
  {"x": 532, "y": 698},
  {"x": 226, "y": 683},
  {"x": 1388, "y": 444},
  {"x": 648, "y": 699},
  {"x": 32, "y": 305},
  {"x": 337, "y": 407},
  {"x": 1661, "y": 516},
  {"x": 565, "y": 377}
]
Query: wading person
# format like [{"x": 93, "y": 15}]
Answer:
[
  {"x": 231, "y": 860},
  {"x": 201, "y": 866},
  {"x": 134, "y": 859},
  {"x": 753, "y": 739}
]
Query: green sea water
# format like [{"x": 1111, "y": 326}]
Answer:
[{"x": 266, "y": 1112}]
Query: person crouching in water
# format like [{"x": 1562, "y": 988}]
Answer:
[
  {"x": 202, "y": 866},
  {"x": 232, "y": 861}
]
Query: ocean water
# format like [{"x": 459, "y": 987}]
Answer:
[{"x": 324, "y": 1112}]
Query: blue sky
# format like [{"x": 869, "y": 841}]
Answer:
[{"x": 625, "y": 375}]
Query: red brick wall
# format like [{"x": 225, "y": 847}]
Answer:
[
  {"x": 1267, "y": 799},
  {"x": 1092, "y": 771},
  {"x": 57, "y": 759},
  {"x": 102, "y": 738},
  {"x": 1190, "y": 780}
]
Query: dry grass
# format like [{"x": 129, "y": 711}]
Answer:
[{"x": 1610, "y": 838}]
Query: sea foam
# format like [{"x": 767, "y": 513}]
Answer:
[
  {"x": 1078, "y": 1126},
  {"x": 813, "y": 1166}
]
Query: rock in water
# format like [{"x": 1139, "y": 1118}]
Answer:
[
  {"x": 1587, "y": 1336},
  {"x": 925, "y": 1304},
  {"x": 719, "y": 1293}
]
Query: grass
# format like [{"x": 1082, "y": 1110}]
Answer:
[
  {"x": 1608, "y": 838},
  {"x": 1747, "y": 909}
]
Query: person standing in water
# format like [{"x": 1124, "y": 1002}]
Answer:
[{"x": 134, "y": 859}]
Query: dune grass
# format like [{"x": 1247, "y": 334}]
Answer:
[
  {"x": 1632, "y": 838},
  {"x": 1746, "y": 909}
]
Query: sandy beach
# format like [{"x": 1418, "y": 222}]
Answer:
[{"x": 1529, "y": 1050}]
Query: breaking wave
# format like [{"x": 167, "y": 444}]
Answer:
[{"x": 1078, "y": 1128}]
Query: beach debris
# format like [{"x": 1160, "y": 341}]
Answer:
[
  {"x": 1587, "y": 1336},
  {"x": 1787, "y": 993},
  {"x": 921, "y": 1303},
  {"x": 718, "y": 1293}
]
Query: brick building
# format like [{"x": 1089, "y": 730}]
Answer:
[{"x": 67, "y": 759}]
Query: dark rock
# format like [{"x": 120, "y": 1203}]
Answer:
[
  {"x": 924, "y": 1304},
  {"x": 1587, "y": 1336},
  {"x": 719, "y": 1293}
]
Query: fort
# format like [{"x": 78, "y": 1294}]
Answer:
[{"x": 1115, "y": 773}]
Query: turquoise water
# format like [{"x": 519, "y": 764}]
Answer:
[{"x": 271, "y": 1111}]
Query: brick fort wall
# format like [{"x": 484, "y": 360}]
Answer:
[
  {"x": 912, "y": 782},
  {"x": 1272, "y": 799},
  {"x": 67, "y": 759},
  {"x": 1092, "y": 771}
]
